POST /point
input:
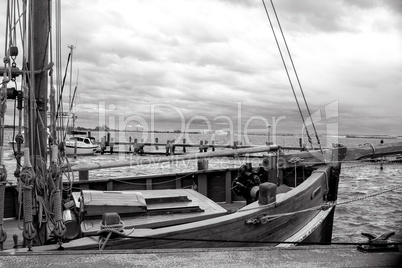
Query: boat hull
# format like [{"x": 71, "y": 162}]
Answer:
[
  {"x": 89, "y": 150},
  {"x": 300, "y": 214},
  {"x": 304, "y": 214}
]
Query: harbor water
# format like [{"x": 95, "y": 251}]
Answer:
[{"x": 361, "y": 207}]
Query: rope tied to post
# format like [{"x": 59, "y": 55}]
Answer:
[{"x": 111, "y": 224}]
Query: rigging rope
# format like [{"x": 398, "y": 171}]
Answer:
[
  {"x": 297, "y": 76},
  {"x": 287, "y": 73},
  {"x": 369, "y": 196}
]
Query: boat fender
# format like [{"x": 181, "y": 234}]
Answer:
[
  {"x": 267, "y": 193},
  {"x": 71, "y": 224}
]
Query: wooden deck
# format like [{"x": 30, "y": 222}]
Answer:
[
  {"x": 204, "y": 207},
  {"x": 196, "y": 207}
]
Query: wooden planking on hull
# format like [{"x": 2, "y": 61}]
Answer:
[{"x": 233, "y": 227}]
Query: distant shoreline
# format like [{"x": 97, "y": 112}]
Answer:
[{"x": 349, "y": 136}]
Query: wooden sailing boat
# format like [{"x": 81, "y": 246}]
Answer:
[{"x": 291, "y": 198}]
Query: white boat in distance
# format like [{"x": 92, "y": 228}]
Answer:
[{"x": 80, "y": 145}]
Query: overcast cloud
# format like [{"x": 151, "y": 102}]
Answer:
[{"x": 176, "y": 63}]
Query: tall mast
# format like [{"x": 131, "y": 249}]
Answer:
[
  {"x": 71, "y": 47},
  {"x": 37, "y": 114},
  {"x": 71, "y": 99},
  {"x": 40, "y": 31}
]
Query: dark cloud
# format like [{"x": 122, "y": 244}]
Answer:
[{"x": 201, "y": 60}]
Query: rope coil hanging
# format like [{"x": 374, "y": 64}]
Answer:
[
  {"x": 27, "y": 179},
  {"x": 3, "y": 177},
  {"x": 59, "y": 229}
]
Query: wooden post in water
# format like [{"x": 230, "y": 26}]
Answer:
[
  {"x": 301, "y": 144},
  {"x": 382, "y": 158},
  {"x": 172, "y": 147},
  {"x": 205, "y": 146},
  {"x": 103, "y": 145},
  {"x": 108, "y": 139},
  {"x": 75, "y": 149},
  {"x": 167, "y": 147},
  {"x": 135, "y": 146},
  {"x": 269, "y": 139}
]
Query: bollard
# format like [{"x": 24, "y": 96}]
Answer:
[{"x": 267, "y": 193}]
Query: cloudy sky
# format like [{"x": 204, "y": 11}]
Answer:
[{"x": 201, "y": 64}]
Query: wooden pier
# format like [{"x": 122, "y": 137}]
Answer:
[
  {"x": 107, "y": 145},
  {"x": 138, "y": 147}
]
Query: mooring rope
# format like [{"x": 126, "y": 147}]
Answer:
[{"x": 369, "y": 196}]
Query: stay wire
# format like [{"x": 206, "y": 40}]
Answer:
[
  {"x": 297, "y": 77},
  {"x": 287, "y": 72}
]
